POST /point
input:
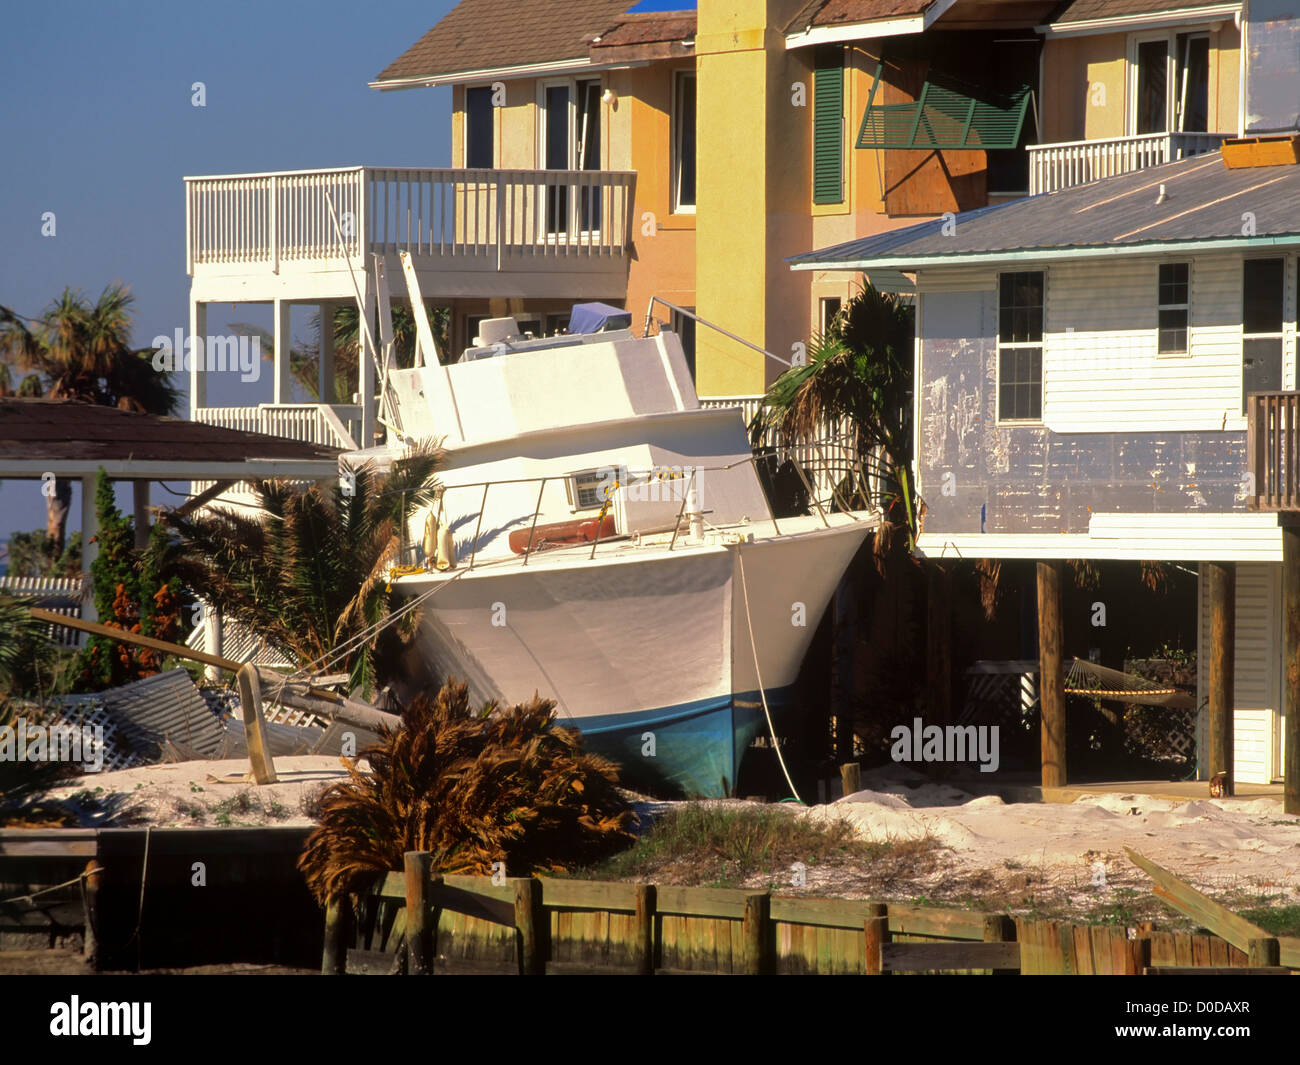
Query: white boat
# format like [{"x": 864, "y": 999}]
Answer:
[{"x": 613, "y": 549}]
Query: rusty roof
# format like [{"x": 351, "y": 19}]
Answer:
[
  {"x": 1089, "y": 10},
  {"x": 847, "y": 12},
  {"x": 65, "y": 429},
  {"x": 648, "y": 28},
  {"x": 495, "y": 34}
]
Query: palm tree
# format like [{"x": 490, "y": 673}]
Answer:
[
  {"x": 859, "y": 370},
  {"x": 309, "y": 571},
  {"x": 76, "y": 350}
]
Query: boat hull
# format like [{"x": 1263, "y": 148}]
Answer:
[{"x": 657, "y": 657}]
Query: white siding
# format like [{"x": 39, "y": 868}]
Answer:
[
  {"x": 1101, "y": 372},
  {"x": 1257, "y": 670}
]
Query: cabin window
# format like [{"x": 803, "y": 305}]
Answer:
[
  {"x": 1262, "y": 313},
  {"x": 478, "y": 128},
  {"x": 828, "y": 126},
  {"x": 1172, "y": 309},
  {"x": 684, "y": 142},
  {"x": 1020, "y": 346}
]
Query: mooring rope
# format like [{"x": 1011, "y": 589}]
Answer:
[{"x": 45, "y": 891}]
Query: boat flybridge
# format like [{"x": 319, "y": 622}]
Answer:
[{"x": 602, "y": 539}]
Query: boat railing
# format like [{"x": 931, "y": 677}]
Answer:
[{"x": 408, "y": 550}]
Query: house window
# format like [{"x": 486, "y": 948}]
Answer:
[
  {"x": 569, "y": 139},
  {"x": 1171, "y": 87},
  {"x": 1020, "y": 346},
  {"x": 830, "y": 307},
  {"x": 1262, "y": 312},
  {"x": 1172, "y": 309},
  {"x": 479, "y": 134},
  {"x": 828, "y": 126},
  {"x": 684, "y": 142}
]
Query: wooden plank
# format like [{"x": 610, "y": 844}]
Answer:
[
  {"x": 917, "y": 957},
  {"x": 824, "y": 913},
  {"x": 1162, "y": 948},
  {"x": 472, "y": 904},
  {"x": 1218, "y": 952},
  {"x": 932, "y": 921},
  {"x": 1201, "y": 952},
  {"x": 392, "y": 886},
  {"x": 48, "y": 848},
  {"x": 1223, "y": 970},
  {"x": 582, "y": 968},
  {"x": 1291, "y": 661},
  {"x": 482, "y": 885},
  {"x": 453, "y": 966},
  {"x": 1289, "y": 951},
  {"x": 589, "y": 894},
  {"x": 1263, "y": 953},
  {"x": 1183, "y": 949},
  {"x": 1051, "y": 687},
  {"x": 1201, "y": 908},
  {"x": 1099, "y": 943},
  {"x": 1083, "y": 950},
  {"x": 701, "y": 902}
]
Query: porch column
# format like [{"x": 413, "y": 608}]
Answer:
[
  {"x": 140, "y": 501},
  {"x": 366, "y": 368},
  {"x": 1223, "y": 639},
  {"x": 198, "y": 380},
  {"x": 280, "y": 331},
  {"x": 325, "y": 379},
  {"x": 1051, "y": 673},
  {"x": 1291, "y": 668},
  {"x": 89, "y": 550}
]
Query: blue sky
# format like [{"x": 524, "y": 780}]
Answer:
[{"x": 97, "y": 120}]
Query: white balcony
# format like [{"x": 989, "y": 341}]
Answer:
[
  {"x": 303, "y": 234},
  {"x": 1062, "y": 166},
  {"x": 310, "y": 423}
]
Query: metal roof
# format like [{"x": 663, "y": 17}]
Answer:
[{"x": 1204, "y": 205}]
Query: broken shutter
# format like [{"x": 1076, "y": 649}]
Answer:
[
  {"x": 828, "y": 126},
  {"x": 946, "y": 115}
]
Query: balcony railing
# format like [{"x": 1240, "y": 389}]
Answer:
[
  {"x": 1273, "y": 450},
  {"x": 310, "y": 423},
  {"x": 1062, "y": 166},
  {"x": 275, "y": 220}
]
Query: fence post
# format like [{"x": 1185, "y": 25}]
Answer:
[
  {"x": 1264, "y": 953},
  {"x": 1137, "y": 956},
  {"x": 851, "y": 777},
  {"x": 273, "y": 216},
  {"x": 877, "y": 930},
  {"x": 528, "y": 920},
  {"x": 334, "y": 959},
  {"x": 999, "y": 928},
  {"x": 757, "y": 928},
  {"x": 419, "y": 952},
  {"x": 645, "y": 929}
]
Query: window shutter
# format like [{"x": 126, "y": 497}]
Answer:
[{"x": 828, "y": 127}]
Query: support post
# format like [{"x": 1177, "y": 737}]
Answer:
[
  {"x": 1051, "y": 674},
  {"x": 851, "y": 777},
  {"x": 250, "y": 699},
  {"x": 999, "y": 928},
  {"x": 90, "y": 904},
  {"x": 198, "y": 349},
  {"x": 1264, "y": 953},
  {"x": 325, "y": 371},
  {"x": 757, "y": 928},
  {"x": 140, "y": 507},
  {"x": 283, "y": 342},
  {"x": 529, "y": 918},
  {"x": 938, "y": 657},
  {"x": 1223, "y": 641},
  {"x": 1291, "y": 668},
  {"x": 366, "y": 368},
  {"x": 419, "y": 914},
  {"x": 877, "y": 935},
  {"x": 89, "y": 548},
  {"x": 337, "y": 914},
  {"x": 645, "y": 929}
]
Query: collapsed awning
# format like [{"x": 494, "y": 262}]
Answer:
[{"x": 946, "y": 115}]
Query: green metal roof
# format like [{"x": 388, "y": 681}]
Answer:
[{"x": 944, "y": 116}]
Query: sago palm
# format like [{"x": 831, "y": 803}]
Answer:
[{"x": 308, "y": 572}]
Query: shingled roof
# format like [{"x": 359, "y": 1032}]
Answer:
[
  {"x": 482, "y": 35},
  {"x": 847, "y": 12},
  {"x": 1092, "y": 10},
  {"x": 1203, "y": 204}
]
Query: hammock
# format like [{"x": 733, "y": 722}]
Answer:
[{"x": 1098, "y": 682}]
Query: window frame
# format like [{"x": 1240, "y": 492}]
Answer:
[
  {"x": 675, "y": 204},
  {"x": 1186, "y": 308},
  {"x": 1280, "y": 335},
  {"x": 1021, "y": 345},
  {"x": 492, "y": 126},
  {"x": 1169, "y": 37}
]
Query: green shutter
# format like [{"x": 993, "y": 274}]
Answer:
[
  {"x": 828, "y": 128},
  {"x": 947, "y": 114}
]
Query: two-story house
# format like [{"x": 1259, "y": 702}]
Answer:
[{"x": 1109, "y": 372}]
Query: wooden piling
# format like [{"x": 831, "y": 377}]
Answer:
[
  {"x": 250, "y": 700},
  {"x": 757, "y": 933},
  {"x": 999, "y": 928},
  {"x": 1264, "y": 953},
  {"x": 1223, "y": 637},
  {"x": 851, "y": 777},
  {"x": 938, "y": 640},
  {"x": 1051, "y": 674},
  {"x": 529, "y": 917},
  {"x": 419, "y": 913},
  {"x": 1291, "y": 667},
  {"x": 94, "y": 878},
  {"x": 334, "y": 958},
  {"x": 645, "y": 929},
  {"x": 877, "y": 935}
]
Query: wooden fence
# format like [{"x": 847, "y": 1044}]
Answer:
[{"x": 469, "y": 924}]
